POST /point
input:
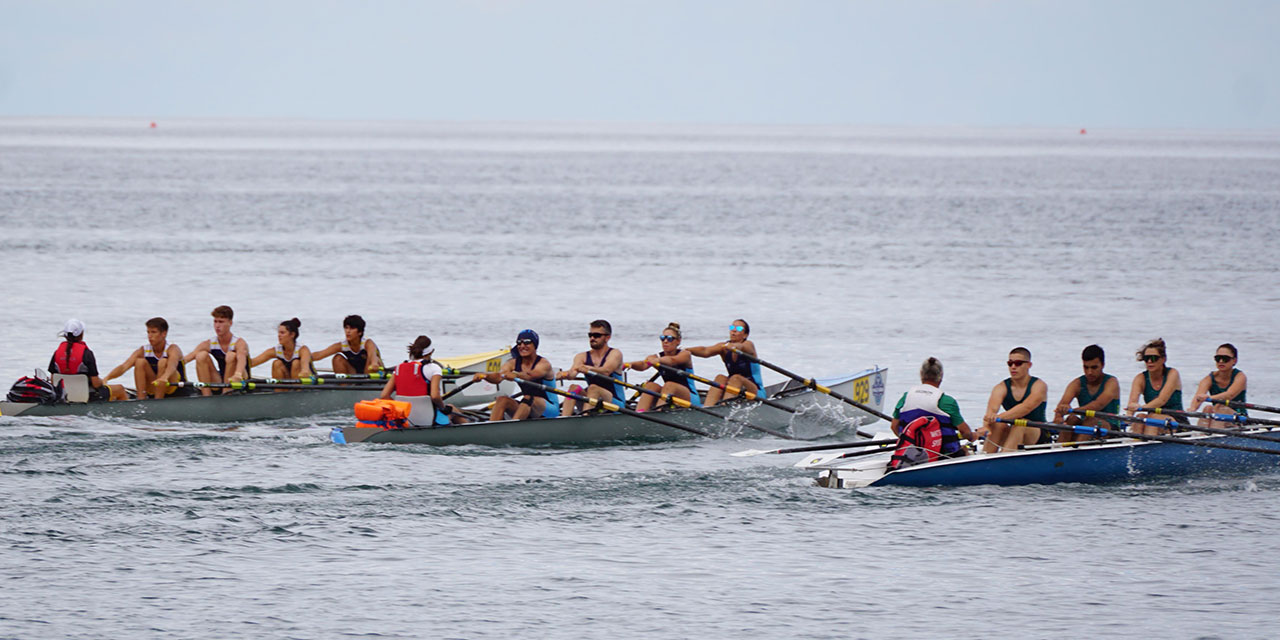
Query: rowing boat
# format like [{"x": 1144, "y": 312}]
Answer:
[
  {"x": 1099, "y": 461},
  {"x": 813, "y": 410},
  {"x": 249, "y": 406}
]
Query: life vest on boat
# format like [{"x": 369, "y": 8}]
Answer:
[
  {"x": 69, "y": 363},
  {"x": 919, "y": 442},
  {"x": 413, "y": 385},
  {"x": 925, "y": 401},
  {"x": 382, "y": 414}
]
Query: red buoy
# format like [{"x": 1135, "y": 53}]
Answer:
[
  {"x": 153, "y": 125},
  {"x": 1082, "y": 131}
]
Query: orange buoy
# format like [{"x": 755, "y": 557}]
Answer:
[
  {"x": 1082, "y": 131},
  {"x": 153, "y": 125}
]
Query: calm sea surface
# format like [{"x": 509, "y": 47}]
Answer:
[{"x": 843, "y": 248}]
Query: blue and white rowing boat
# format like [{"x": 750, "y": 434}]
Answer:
[{"x": 1115, "y": 460}]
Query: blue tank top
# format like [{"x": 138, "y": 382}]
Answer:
[
  {"x": 683, "y": 380},
  {"x": 744, "y": 367},
  {"x": 1214, "y": 389},
  {"x": 606, "y": 382},
  {"x": 553, "y": 400},
  {"x": 1150, "y": 393},
  {"x": 1010, "y": 402}
]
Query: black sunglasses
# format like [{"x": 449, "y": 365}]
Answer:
[
  {"x": 596, "y": 334},
  {"x": 1221, "y": 358},
  {"x": 525, "y": 341},
  {"x": 1146, "y": 357}
]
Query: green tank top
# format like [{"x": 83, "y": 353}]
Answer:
[
  {"x": 1084, "y": 397},
  {"x": 1214, "y": 389},
  {"x": 1009, "y": 402},
  {"x": 1150, "y": 393}
]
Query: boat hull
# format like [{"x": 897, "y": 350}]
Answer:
[
  {"x": 611, "y": 428},
  {"x": 1092, "y": 463}
]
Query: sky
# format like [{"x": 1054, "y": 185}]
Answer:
[{"x": 1115, "y": 63}]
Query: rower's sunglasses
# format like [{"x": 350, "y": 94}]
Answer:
[
  {"x": 1147, "y": 357},
  {"x": 1017, "y": 363},
  {"x": 596, "y": 334},
  {"x": 737, "y": 327},
  {"x": 525, "y": 341},
  {"x": 1221, "y": 358},
  {"x": 668, "y": 338}
]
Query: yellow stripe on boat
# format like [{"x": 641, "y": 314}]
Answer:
[{"x": 491, "y": 359}]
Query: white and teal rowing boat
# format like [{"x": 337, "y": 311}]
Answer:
[
  {"x": 866, "y": 387},
  {"x": 332, "y": 396}
]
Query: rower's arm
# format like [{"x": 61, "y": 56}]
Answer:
[
  {"x": 242, "y": 359},
  {"x": 1064, "y": 405},
  {"x": 203, "y": 346},
  {"x": 124, "y": 366},
  {"x": 1039, "y": 391},
  {"x": 172, "y": 356},
  {"x": 748, "y": 347},
  {"x": 1232, "y": 391},
  {"x": 327, "y": 351},
  {"x": 1172, "y": 382},
  {"x": 508, "y": 369},
  {"x": 1135, "y": 392},
  {"x": 611, "y": 364},
  {"x": 540, "y": 372},
  {"x": 708, "y": 351},
  {"x": 433, "y": 389},
  {"x": 374, "y": 362},
  {"x": 388, "y": 389},
  {"x": 262, "y": 357},
  {"x": 1110, "y": 391}
]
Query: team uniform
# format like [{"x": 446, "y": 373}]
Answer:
[
  {"x": 220, "y": 356},
  {"x": 1214, "y": 389},
  {"x": 288, "y": 362},
  {"x": 413, "y": 385},
  {"x": 1037, "y": 414},
  {"x": 1084, "y": 396},
  {"x": 552, "y": 409},
  {"x": 748, "y": 369},
  {"x": 358, "y": 359},
  {"x": 606, "y": 382},
  {"x": 153, "y": 359},
  {"x": 683, "y": 379},
  {"x": 928, "y": 401}
]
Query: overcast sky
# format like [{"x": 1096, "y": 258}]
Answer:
[{"x": 958, "y": 62}]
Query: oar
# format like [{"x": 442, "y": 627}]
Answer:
[
  {"x": 1220, "y": 417},
  {"x": 1170, "y": 424},
  {"x": 809, "y": 382},
  {"x": 251, "y": 386},
  {"x": 319, "y": 380},
  {"x": 1246, "y": 405},
  {"x": 819, "y": 447},
  {"x": 632, "y": 399},
  {"x": 1101, "y": 431},
  {"x": 459, "y": 388},
  {"x": 681, "y": 402},
  {"x": 727, "y": 389},
  {"x": 613, "y": 407}
]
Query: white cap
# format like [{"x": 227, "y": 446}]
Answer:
[{"x": 73, "y": 328}]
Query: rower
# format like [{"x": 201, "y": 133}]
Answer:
[
  {"x": 354, "y": 354},
  {"x": 222, "y": 358},
  {"x": 1225, "y": 383},
  {"x": 157, "y": 366},
  {"x": 928, "y": 401},
  {"x": 525, "y": 364},
  {"x": 1021, "y": 395},
  {"x": 1159, "y": 385},
  {"x": 1093, "y": 391},
  {"x": 418, "y": 381},
  {"x": 673, "y": 384},
  {"x": 601, "y": 364},
  {"x": 742, "y": 373},
  {"x": 288, "y": 358},
  {"x": 74, "y": 357}
]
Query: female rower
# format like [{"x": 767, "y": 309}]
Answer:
[
  {"x": 742, "y": 373},
  {"x": 1159, "y": 386},
  {"x": 673, "y": 384},
  {"x": 418, "y": 382},
  {"x": 288, "y": 358},
  {"x": 1225, "y": 383},
  {"x": 532, "y": 372}
]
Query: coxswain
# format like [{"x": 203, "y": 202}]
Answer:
[
  {"x": 1226, "y": 382},
  {"x": 74, "y": 357},
  {"x": 288, "y": 358},
  {"x": 354, "y": 354},
  {"x": 928, "y": 401},
  {"x": 157, "y": 366},
  {"x": 222, "y": 358},
  {"x": 418, "y": 381},
  {"x": 673, "y": 384},
  {"x": 602, "y": 367},
  {"x": 1096, "y": 390},
  {"x": 742, "y": 373},
  {"x": 1021, "y": 395},
  {"x": 525, "y": 364},
  {"x": 1159, "y": 386}
]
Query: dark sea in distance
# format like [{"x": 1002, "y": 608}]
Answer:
[{"x": 843, "y": 247}]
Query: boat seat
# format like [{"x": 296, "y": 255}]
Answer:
[{"x": 76, "y": 386}]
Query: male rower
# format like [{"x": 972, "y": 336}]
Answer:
[
  {"x": 740, "y": 372},
  {"x": 222, "y": 358},
  {"x": 74, "y": 357},
  {"x": 1021, "y": 395},
  {"x": 601, "y": 365},
  {"x": 156, "y": 365},
  {"x": 928, "y": 401},
  {"x": 1093, "y": 391},
  {"x": 525, "y": 365},
  {"x": 354, "y": 354}
]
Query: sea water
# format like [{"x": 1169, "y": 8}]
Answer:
[{"x": 844, "y": 248}]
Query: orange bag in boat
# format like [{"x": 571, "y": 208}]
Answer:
[{"x": 384, "y": 414}]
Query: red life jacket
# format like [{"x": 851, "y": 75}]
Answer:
[
  {"x": 919, "y": 442},
  {"x": 409, "y": 380},
  {"x": 69, "y": 364}
]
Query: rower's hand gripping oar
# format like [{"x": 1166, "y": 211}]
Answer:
[
  {"x": 820, "y": 447},
  {"x": 726, "y": 388},
  {"x": 812, "y": 384},
  {"x": 681, "y": 402},
  {"x": 1246, "y": 405},
  {"x": 609, "y": 406},
  {"x": 1104, "y": 432}
]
